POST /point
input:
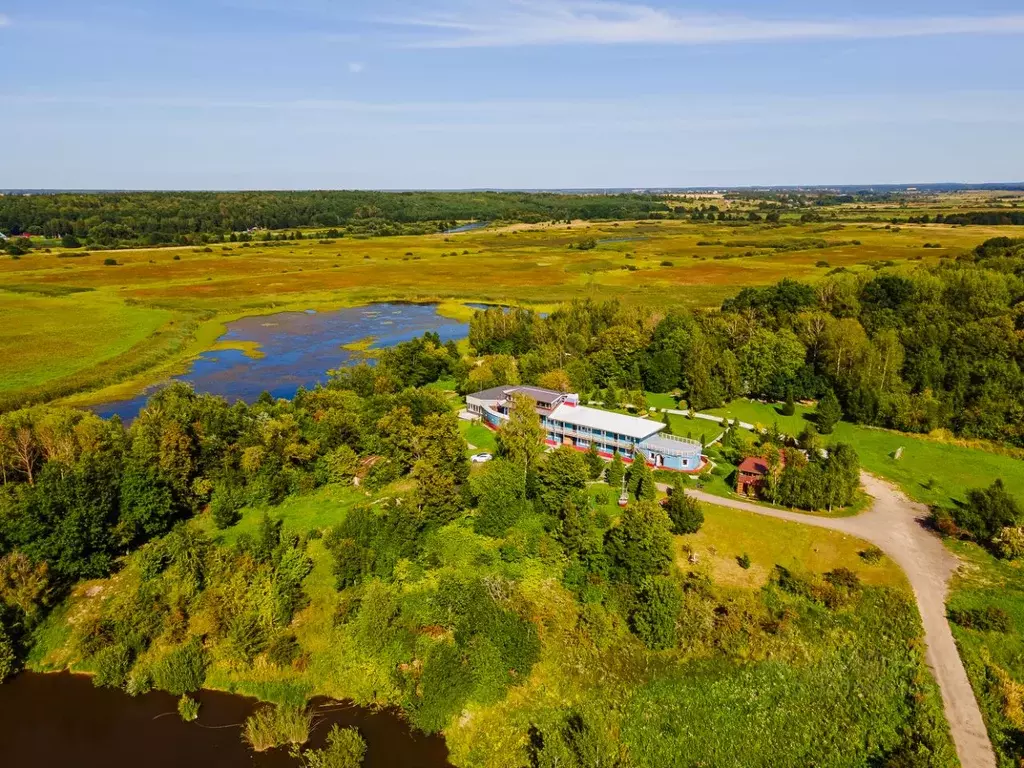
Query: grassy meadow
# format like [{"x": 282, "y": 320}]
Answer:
[
  {"x": 993, "y": 654},
  {"x": 728, "y": 534},
  {"x": 134, "y": 322},
  {"x": 932, "y": 470}
]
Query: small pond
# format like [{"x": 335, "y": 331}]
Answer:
[
  {"x": 467, "y": 227},
  {"x": 298, "y": 349},
  {"x": 63, "y": 720}
]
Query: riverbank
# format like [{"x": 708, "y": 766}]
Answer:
[
  {"x": 63, "y": 719},
  {"x": 209, "y": 337}
]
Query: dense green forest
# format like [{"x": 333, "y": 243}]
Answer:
[
  {"x": 915, "y": 349},
  {"x": 122, "y": 219},
  {"x": 168, "y": 217}
]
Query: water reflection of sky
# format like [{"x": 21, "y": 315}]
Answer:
[{"x": 298, "y": 349}]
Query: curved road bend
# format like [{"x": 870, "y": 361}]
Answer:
[{"x": 894, "y": 525}]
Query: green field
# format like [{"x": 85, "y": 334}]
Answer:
[
  {"x": 51, "y": 338},
  {"x": 479, "y": 437},
  {"x": 930, "y": 470},
  {"x": 729, "y": 533},
  {"x": 994, "y": 659}
]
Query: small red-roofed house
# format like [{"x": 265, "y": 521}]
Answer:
[{"x": 751, "y": 475}]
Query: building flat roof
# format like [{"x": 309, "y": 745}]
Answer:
[
  {"x": 667, "y": 444},
  {"x": 499, "y": 393},
  {"x": 620, "y": 424},
  {"x": 495, "y": 394}
]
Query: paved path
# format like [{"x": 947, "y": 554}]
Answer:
[
  {"x": 705, "y": 417},
  {"x": 895, "y": 525}
]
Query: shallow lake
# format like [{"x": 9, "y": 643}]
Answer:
[
  {"x": 298, "y": 349},
  {"x": 467, "y": 227},
  {"x": 63, "y": 720}
]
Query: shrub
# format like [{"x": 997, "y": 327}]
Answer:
[
  {"x": 990, "y": 619},
  {"x": 271, "y": 727},
  {"x": 872, "y": 555},
  {"x": 226, "y": 504},
  {"x": 178, "y": 258},
  {"x": 8, "y": 658},
  {"x": 283, "y": 650},
  {"x": 795, "y": 583},
  {"x": 110, "y": 262},
  {"x": 188, "y": 708},
  {"x": 988, "y": 512},
  {"x": 843, "y": 578},
  {"x": 113, "y": 664},
  {"x": 345, "y": 748},
  {"x": 1009, "y": 544},
  {"x": 789, "y": 407},
  {"x": 659, "y": 602},
  {"x": 743, "y": 561},
  {"x": 667, "y": 264},
  {"x": 183, "y": 670},
  {"x": 444, "y": 687},
  {"x": 685, "y": 512}
]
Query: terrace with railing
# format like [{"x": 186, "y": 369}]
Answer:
[{"x": 672, "y": 445}]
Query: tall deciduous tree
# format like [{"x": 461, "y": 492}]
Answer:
[{"x": 521, "y": 438}]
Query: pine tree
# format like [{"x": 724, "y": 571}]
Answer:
[
  {"x": 829, "y": 413},
  {"x": 667, "y": 420},
  {"x": 641, "y": 480},
  {"x": 616, "y": 471},
  {"x": 594, "y": 462},
  {"x": 685, "y": 512},
  {"x": 790, "y": 407}
]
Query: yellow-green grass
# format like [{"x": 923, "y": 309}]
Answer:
[
  {"x": 728, "y": 534},
  {"x": 47, "y": 339},
  {"x": 478, "y": 436},
  {"x": 994, "y": 660},
  {"x": 319, "y": 511},
  {"x": 930, "y": 470},
  {"x": 532, "y": 267}
]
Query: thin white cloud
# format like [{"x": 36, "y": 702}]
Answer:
[
  {"x": 638, "y": 113},
  {"x": 509, "y": 23},
  {"x": 356, "y": 67},
  {"x": 5, "y": 21}
]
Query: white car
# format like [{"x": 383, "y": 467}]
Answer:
[{"x": 481, "y": 458}]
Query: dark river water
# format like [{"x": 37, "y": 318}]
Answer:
[
  {"x": 53, "y": 721},
  {"x": 298, "y": 349}
]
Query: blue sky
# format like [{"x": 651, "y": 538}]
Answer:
[{"x": 228, "y": 94}]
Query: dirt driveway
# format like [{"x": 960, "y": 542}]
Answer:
[{"x": 894, "y": 525}]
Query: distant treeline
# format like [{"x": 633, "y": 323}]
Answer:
[
  {"x": 976, "y": 218},
  {"x": 167, "y": 217}
]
